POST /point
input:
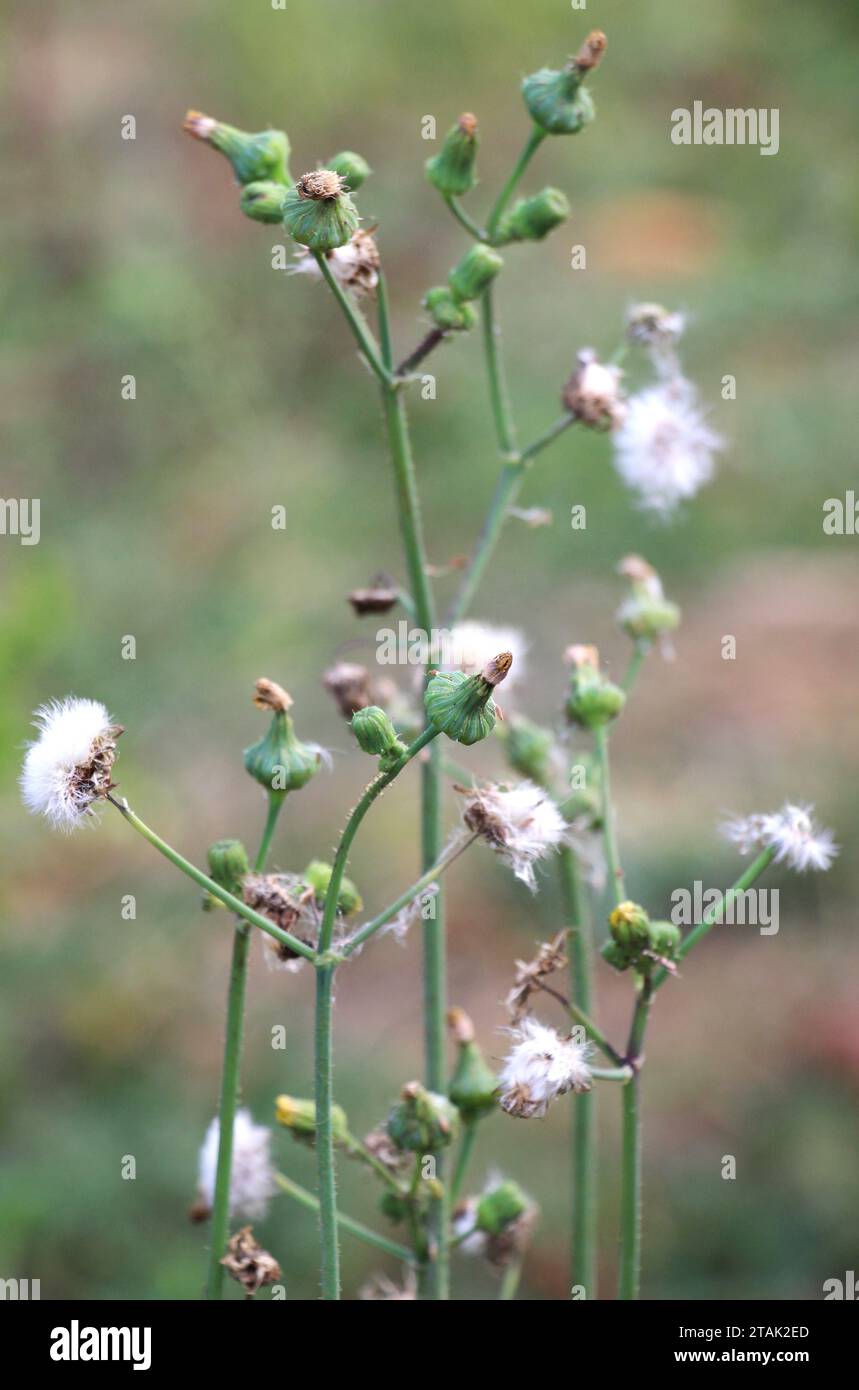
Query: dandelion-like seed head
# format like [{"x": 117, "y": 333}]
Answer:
[
  {"x": 541, "y": 1066},
  {"x": 67, "y": 769},
  {"x": 664, "y": 448},
  {"x": 252, "y": 1178},
  {"x": 522, "y": 824},
  {"x": 792, "y": 833}
]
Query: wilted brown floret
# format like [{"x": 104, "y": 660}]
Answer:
[
  {"x": 247, "y": 1262},
  {"x": 378, "y": 597},
  {"x": 269, "y": 695},
  {"x": 590, "y": 55},
  {"x": 321, "y": 185},
  {"x": 349, "y": 683},
  {"x": 529, "y": 974},
  {"x": 277, "y": 897},
  {"x": 468, "y": 123}
]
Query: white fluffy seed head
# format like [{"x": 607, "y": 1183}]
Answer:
[
  {"x": 67, "y": 768},
  {"x": 540, "y": 1066},
  {"x": 664, "y": 448},
  {"x": 792, "y": 833},
  {"x": 252, "y": 1179},
  {"x": 522, "y": 824}
]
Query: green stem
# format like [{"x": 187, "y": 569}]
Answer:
[
  {"x": 370, "y": 928},
  {"x": 584, "y": 1118},
  {"x": 464, "y": 220},
  {"x": 510, "y": 1281},
  {"x": 611, "y": 1074},
  {"x": 355, "y": 320},
  {"x": 533, "y": 143},
  {"x": 347, "y": 1223},
  {"x": 463, "y": 1158},
  {"x": 507, "y": 489},
  {"x": 231, "y": 1073},
  {"x": 408, "y": 507},
  {"x": 630, "y": 1200},
  {"x": 323, "y": 1032},
  {"x": 547, "y": 437},
  {"x": 435, "y": 1014},
  {"x": 615, "y": 871},
  {"x": 636, "y": 661},
  {"x": 228, "y": 899},
  {"x": 502, "y": 414},
  {"x": 714, "y": 914}
]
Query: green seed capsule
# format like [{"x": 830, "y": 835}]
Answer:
[
  {"x": 461, "y": 706},
  {"x": 531, "y": 219},
  {"x": 318, "y": 213},
  {"x": 280, "y": 762},
  {"x": 451, "y": 171}
]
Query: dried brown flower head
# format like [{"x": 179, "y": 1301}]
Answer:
[
  {"x": 286, "y": 902},
  {"x": 198, "y": 125},
  {"x": 247, "y": 1262},
  {"x": 590, "y": 55},
  {"x": 269, "y": 695},
  {"x": 530, "y": 974},
  {"x": 322, "y": 185},
  {"x": 593, "y": 393},
  {"x": 460, "y": 1025},
  {"x": 495, "y": 671},
  {"x": 349, "y": 683},
  {"x": 468, "y": 123},
  {"x": 380, "y": 596}
]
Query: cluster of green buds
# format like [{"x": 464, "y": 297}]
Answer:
[
  {"x": 317, "y": 877},
  {"x": 422, "y": 1121},
  {"x": 528, "y": 748},
  {"x": 451, "y": 171},
  {"x": 260, "y": 162},
  {"x": 449, "y": 305},
  {"x": 558, "y": 102},
  {"x": 474, "y": 1086},
  {"x": 375, "y": 732},
  {"x": 280, "y": 762},
  {"x": 461, "y": 706},
  {"x": 646, "y": 615},
  {"x": 318, "y": 212},
  {"x": 637, "y": 942},
  {"x": 299, "y": 1116},
  {"x": 593, "y": 700},
  {"x": 532, "y": 219}
]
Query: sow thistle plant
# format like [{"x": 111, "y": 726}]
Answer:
[{"x": 550, "y": 806}]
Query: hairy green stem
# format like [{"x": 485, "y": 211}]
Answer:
[
  {"x": 615, "y": 872},
  {"x": 511, "y": 1278},
  {"x": 463, "y": 1158},
  {"x": 584, "y": 1117},
  {"x": 499, "y": 397},
  {"x": 405, "y": 899},
  {"x": 256, "y": 919},
  {"x": 630, "y": 1198},
  {"x": 533, "y": 143},
  {"x": 355, "y": 320},
  {"x": 231, "y": 1071},
  {"x": 347, "y": 1223},
  {"x": 464, "y": 220}
]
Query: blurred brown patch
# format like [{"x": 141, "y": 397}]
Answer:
[{"x": 658, "y": 234}]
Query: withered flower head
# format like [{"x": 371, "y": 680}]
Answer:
[
  {"x": 379, "y": 597},
  {"x": 461, "y": 1026},
  {"x": 247, "y": 1262},
  {"x": 286, "y": 900},
  {"x": 269, "y": 695},
  {"x": 530, "y": 974},
  {"x": 468, "y": 123},
  {"x": 590, "y": 55},
  {"x": 593, "y": 393},
  {"x": 321, "y": 185},
  {"x": 349, "y": 683}
]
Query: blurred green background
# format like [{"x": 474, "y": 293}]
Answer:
[{"x": 132, "y": 257}]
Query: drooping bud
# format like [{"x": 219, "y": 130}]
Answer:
[
  {"x": 461, "y": 706},
  {"x": 646, "y": 615},
  {"x": 528, "y": 747},
  {"x": 558, "y": 102},
  {"x": 228, "y": 864},
  {"x": 445, "y": 312},
  {"x": 477, "y": 269},
  {"x": 531, "y": 219},
  {"x": 263, "y": 156},
  {"x": 451, "y": 171},
  {"x": 317, "y": 876},
  {"x": 352, "y": 168},
  {"x": 593, "y": 393},
  {"x": 299, "y": 1116},
  {"x": 375, "y": 733},
  {"x": 473, "y": 1087},
  {"x": 593, "y": 700},
  {"x": 422, "y": 1120},
  {"x": 263, "y": 202},
  {"x": 318, "y": 212},
  {"x": 500, "y": 1207},
  {"x": 280, "y": 762}
]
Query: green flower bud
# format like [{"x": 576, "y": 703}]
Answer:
[
  {"x": 557, "y": 101},
  {"x": 300, "y": 1117},
  {"x": 352, "y": 168},
  {"x": 477, "y": 269},
  {"x": 445, "y": 312},
  {"x": 530, "y": 219},
  {"x": 259, "y": 157},
  {"x": 528, "y": 748},
  {"x": 451, "y": 171},
  {"x": 422, "y": 1120},
  {"x": 593, "y": 700},
  {"x": 317, "y": 876},
  {"x": 646, "y": 615},
  {"x": 318, "y": 212},
  {"x": 280, "y": 762},
  {"x": 461, "y": 706},
  {"x": 619, "y": 957},
  {"x": 263, "y": 201},
  {"x": 374, "y": 730},
  {"x": 395, "y": 1208},
  {"x": 228, "y": 864},
  {"x": 665, "y": 939},
  {"x": 473, "y": 1087},
  {"x": 630, "y": 925},
  {"x": 500, "y": 1207}
]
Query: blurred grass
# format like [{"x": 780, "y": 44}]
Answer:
[{"x": 132, "y": 257}]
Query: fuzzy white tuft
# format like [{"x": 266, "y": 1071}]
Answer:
[
  {"x": 252, "y": 1179},
  {"x": 522, "y": 824},
  {"x": 68, "y": 766},
  {"x": 792, "y": 832},
  {"x": 540, "y": 1066},
  {"x": 664, "y": 448}
]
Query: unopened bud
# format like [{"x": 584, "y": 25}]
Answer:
[
  {"x": 461, "y": 706},
  {"x": 593, "y": 700},
  {"x": 263, "y": 202},
  {"x": 451, "y": 171},
  {"x": 474, "y": 273},
  {"x": 422, "y": 1120},
  {"x": 531, "y": 219},
  {"x": 528, "y": 748},
  {"x": 374, "y": 731},
  {"x": 352, "y": 168},
  {"x": 280, "y": 762},
  {"x": 259, "y": 157},
  {"x": 446, "y": 312},
  {"x": 300, "y": 1117},
  {"x": 558, "y": 102},
  {"x": 473, "y": 1087},
  {"x": 646, "y": 614},
  {"x": 500, "y": 1207},
  {"x": 317, "y": 876},
  {"x": 228, "y": 864}
]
